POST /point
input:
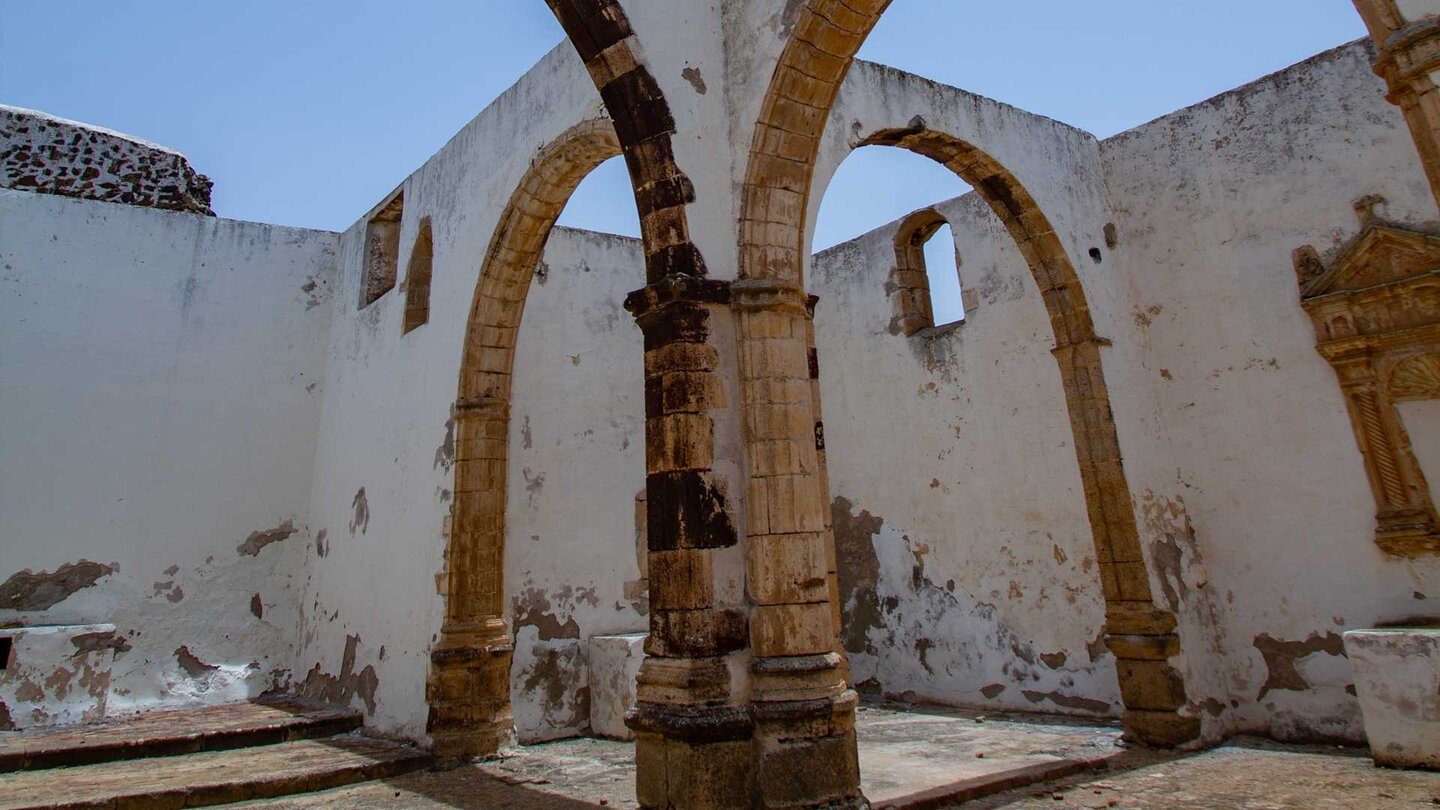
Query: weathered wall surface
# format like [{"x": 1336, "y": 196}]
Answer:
[
  {"x": 577, "y": 463},
  {"x": 161, "y": 380},
  {"x": 49, "y": 155},
  {"x": 385, "y": 457},
  {"x": 1248, "y": 457},
  {"x": 967, "y": 569}
]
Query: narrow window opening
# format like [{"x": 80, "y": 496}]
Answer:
[
  {"x": 942, "y": 268},
  {"x": 6, "y": 643},
  {"x": 925, "y": 285},
  {"x": 382, "y": 250},
  {"x": 417, "y": 279}
]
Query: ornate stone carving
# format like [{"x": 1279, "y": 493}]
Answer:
[{"x": 1376, "y": 312}]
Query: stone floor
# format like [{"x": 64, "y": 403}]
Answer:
[
  {"x": 1247, "y": 774},
  {"x": 907, "y": 753}
]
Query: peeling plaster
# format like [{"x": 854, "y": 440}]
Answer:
[
  {"x": 191, "y": 664},
  {"x": 259, "y": 540},
  {"x": 445, "y": 453},
  {"x": 361, "y": 505},
  {"x": 692, "y": 75},
  {"x": 1281, "y": 658},
  {"x": 918, "y": 640},
  {"x": 340, "y": 690},
  {"x": 41, "y": 591}
]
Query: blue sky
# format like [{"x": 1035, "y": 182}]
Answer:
[{"x": 306, "y": 113}]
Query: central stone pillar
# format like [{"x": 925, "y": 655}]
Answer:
[
  {"x": 803, "y": 708},
  {"x": 692, "y": 722}
]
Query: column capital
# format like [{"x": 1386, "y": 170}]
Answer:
[
  {"x": 754, "y": 294},
  {"x": 676, "y": 288}
]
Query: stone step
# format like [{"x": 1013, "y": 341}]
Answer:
[
  {"x": 211, "y": 777},
  {"x": 169, "y": 733}
]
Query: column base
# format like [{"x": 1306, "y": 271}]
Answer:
[
  {"x": 1143, "y": 640},
  {"x": 692, "y": 756},
  {"x": 469, "y": 695},
  {"x": 806, "y": 753},
  {"x": 1160, "y": 729},
  {"x": 1407, "y": 533}
]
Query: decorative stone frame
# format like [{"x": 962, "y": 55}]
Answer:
[
  {"x": 1376, "y": 313},
  {"x": 1408, "y": 58}
]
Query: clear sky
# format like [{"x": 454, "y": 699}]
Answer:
[{"x": 306, "y": 112}]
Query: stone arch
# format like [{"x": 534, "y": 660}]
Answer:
[
  {"x": 469, "y": 686},
  {"x": 779, "y": 175},
  {"x": 606, "y": 43}
]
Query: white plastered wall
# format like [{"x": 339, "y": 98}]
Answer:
[
  {"x": 577, "y": 462},
  {"x": 1273, "y": 521},
  {"x": 387, "y": 427},
  {"x": 1003, "y": 562},
  {"x": 161, "y": 378},
  {"x": 966, "y": 558}
]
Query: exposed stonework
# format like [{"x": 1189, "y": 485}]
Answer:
[{"x": 49, "y": 155}]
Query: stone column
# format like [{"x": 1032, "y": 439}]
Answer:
[
  {"x": 693, "y": 728},
  {"x": 1409, "y": 62},
  {"x": 804, "y": 711},
  {"x": 469, "y": 685}
]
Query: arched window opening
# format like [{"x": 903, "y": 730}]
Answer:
[
  {"x": 603, "y": 202},
  {"x": 925, "y": 284},
  {"x": 417, "y": 279}
]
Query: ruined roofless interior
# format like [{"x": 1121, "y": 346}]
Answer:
[{"x": 740, "y": 525}]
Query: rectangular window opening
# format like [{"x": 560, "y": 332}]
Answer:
[{"x": 382, "y": 250}]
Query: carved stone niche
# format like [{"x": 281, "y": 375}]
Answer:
[{"x": 1377, "y": 320}]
